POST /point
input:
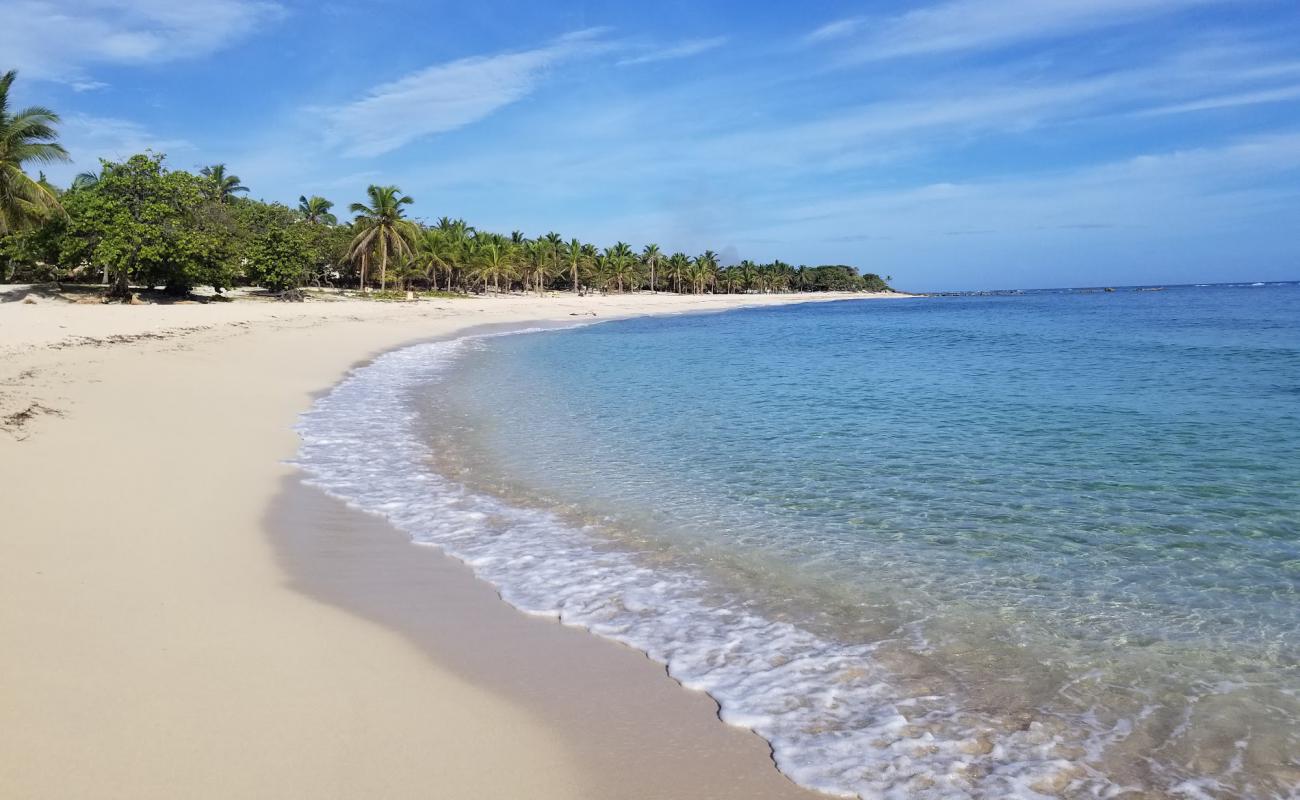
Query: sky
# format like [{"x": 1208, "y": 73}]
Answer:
[{"x": 965, "y": 144}]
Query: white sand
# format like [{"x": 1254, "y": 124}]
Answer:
[{"x": 152, "y": 645}]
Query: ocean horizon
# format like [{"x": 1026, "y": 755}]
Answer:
[{"x": 1041, "y": 544}]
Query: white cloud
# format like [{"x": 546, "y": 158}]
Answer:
[
  {"x": 975, "y": 24},
  {"x": 686, "y": 49},
  {"x": 447, "y": 96},
  {"x": 63, "y": 40}
]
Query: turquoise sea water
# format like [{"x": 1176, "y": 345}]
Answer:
[{"x": 1038, "y": 545}]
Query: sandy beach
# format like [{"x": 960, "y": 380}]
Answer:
[{"x": 179, "y": 617}]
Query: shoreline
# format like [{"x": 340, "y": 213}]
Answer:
[{"x": 160, "y": 646}]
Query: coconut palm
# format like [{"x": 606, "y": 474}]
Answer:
[
  {"x": 621, "y": 264},
  {"x": 576, "y": 259},
  {"x": 87, "y": 180},
  {"x": 27, "y": 136},
  {"x": 456, "y": 240},
  {"x": 650, "y": 256},
  {"x": 554, "y": 246},
  {"x": 431, "y": 255},
  {"x": 493, "y": 256},
  {"x": 678, "y": 267},
  {"x": 704, "y": 270},
  {"x": 223, "y": 185},
  {"x": 381, "y": 229},
  {"x": 747, "y": 273},
  {"x": 316, "y": 210},
  {"x": 544, "y": 257}
]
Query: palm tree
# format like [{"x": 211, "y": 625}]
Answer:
[
  {"x": 381, "y": 228},
  {"x": 747, "y": 272},
  {"x": 600, "y": 265},
  {"x": 87, "y": 180},
  {"x": 493, "y": 257},
  {"x": 704, "y": 270},
  {"x": 455, "y": 236},
  {"x": 575, "y": 256},
  {"x": 650, "y": 255},
  {"x": 316, "y": 210},
  {"x": 554, "y": 246},
  {"x": 431, "y": 255},
  {"x": 224, "y": 186},
  {"x": 678, "y": 266},
  {"x": 26, "y": 137},
  {"x": 621, "y": 263}
]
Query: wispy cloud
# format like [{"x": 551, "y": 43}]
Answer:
[
  {"x": 978, "y": 24},
  {"x": 62, "y": 41},
  {"x": 836, "y": 30},
  {"x": 448, "y": 96},
  {"x": 1178, "y": 189},
  {"x": 686, "y": 49},
  {"x": 1277, "y": 95}
]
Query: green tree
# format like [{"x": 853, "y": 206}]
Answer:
[
  {"x": 381, "y": 228},
  {"x": 454, "y": 236},
  {"x": 679, "y": 265},
  {"x": 222, "y": 186},
  {"x": 432, "y": 253},
  {"x": 145, "y": 224},
  {"x": 543, "y": 260},
  {"x": 650, "y": 256},
  {"x": 747, "y": 273},
  {"x": 576, "y": 258},
  {"x": 316, "y": 210},
  {"x": 493, "y": 257},
  {"x": 27, "y": 136},
  {"x": 554, "y": 248},
  {"x": 704, "y": 270},
  {"x": 279, "y": 258},
  {"x": 620, "y": 264}
]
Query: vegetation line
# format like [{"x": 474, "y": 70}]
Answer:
[{"x": 136, "y": 223}]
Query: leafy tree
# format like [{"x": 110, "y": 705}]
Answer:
[
  {"x": 275, "y": 248},
  {"x": 27, "y": 136},
  {"x": 279, "y": 258},
  {"x": 872, "y": 282},
  {"x": 148, "y": 225}
]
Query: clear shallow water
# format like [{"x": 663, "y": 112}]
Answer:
[{"x": 1044, "y": 545}]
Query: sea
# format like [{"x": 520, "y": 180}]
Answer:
[{"x": 1042, "y": 544}]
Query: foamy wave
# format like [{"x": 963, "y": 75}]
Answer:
[{"x": 837, "y": 720}]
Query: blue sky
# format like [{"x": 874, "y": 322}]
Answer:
[{"x": 956, "y": 144}]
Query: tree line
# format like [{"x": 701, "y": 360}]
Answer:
[{"x": 137, "y": 223}]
